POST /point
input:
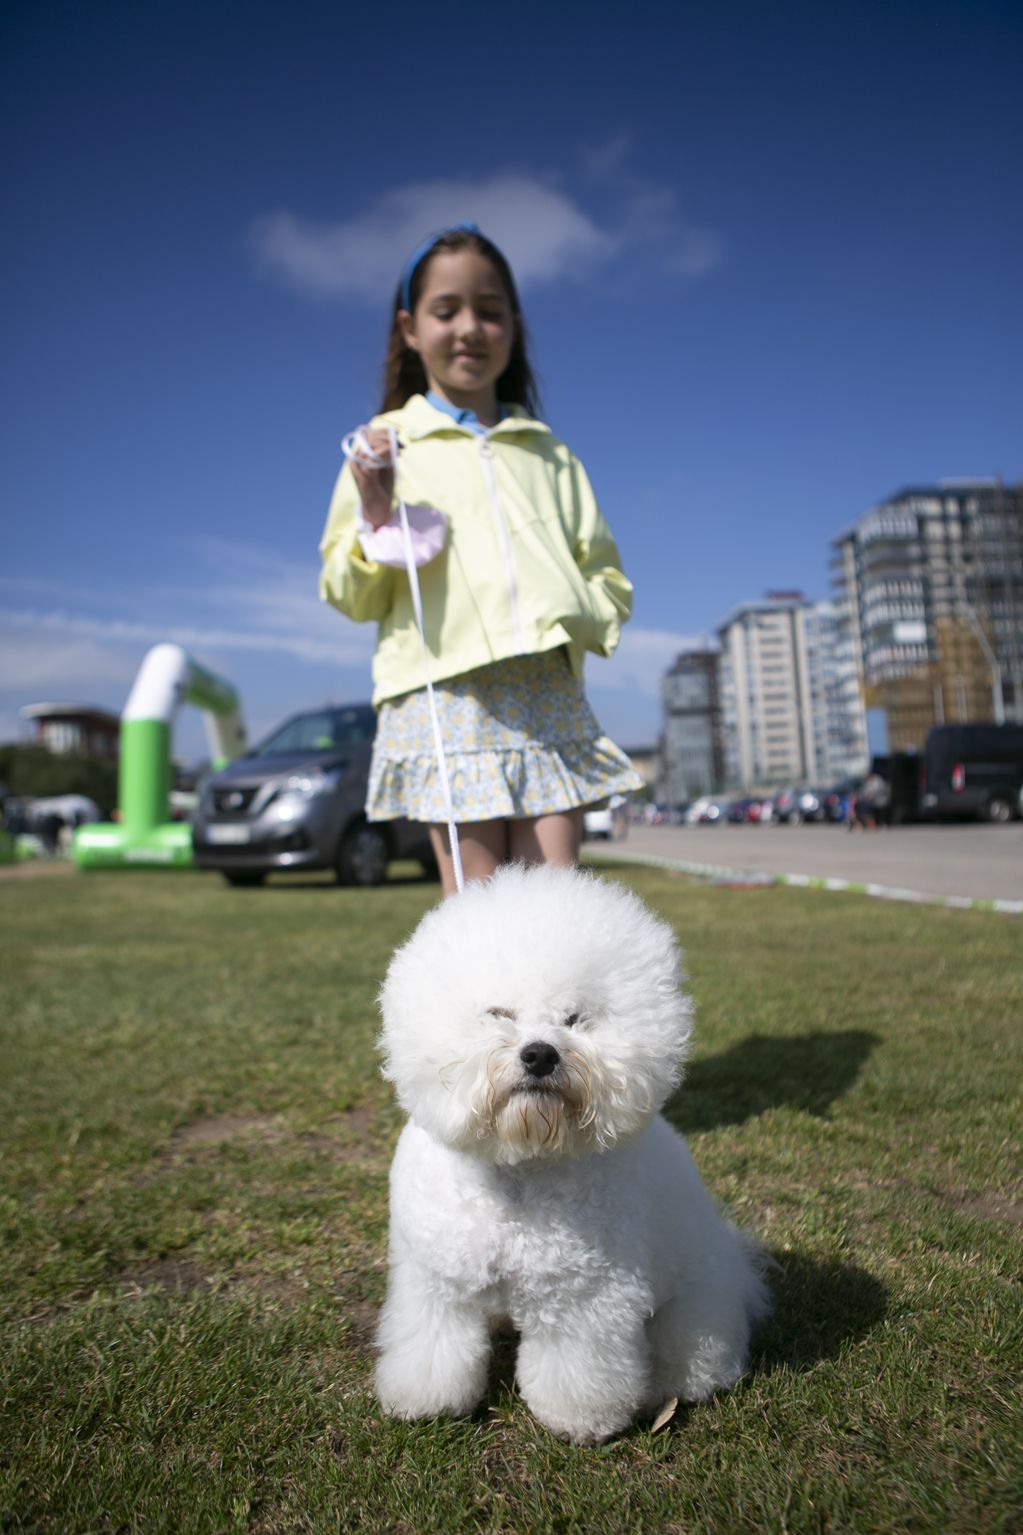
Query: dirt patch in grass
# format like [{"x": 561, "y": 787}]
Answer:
[
  {"x": 277, "y": 1289},
  {"x": 173, "y": 1276},
  {"x": 33, "y": 867},
  {"x": 357, "y": 1136},
  {"x": 353, "y": 1135},
  {"x": 184, "y": 1276},
  {"x": 362, "y": 1319},
  {"x": 216, "y": 1128},
  {"x": 993, "y": 1206},
  {"x": 177, "y": 1276},
  {"x": 359, "y": 1121},
  {"x": 988, "y": 1207}
]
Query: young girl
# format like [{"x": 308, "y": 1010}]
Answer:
[{"x": 519, "y": 577}]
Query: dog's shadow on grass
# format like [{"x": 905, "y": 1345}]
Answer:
[
  {"x": 818, "y": 1306},
  {"x": 761, "y": 1072}
]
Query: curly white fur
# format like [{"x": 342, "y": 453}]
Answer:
[{"x": 533, "y": 1027}]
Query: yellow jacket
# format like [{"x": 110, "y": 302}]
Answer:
[{"x": 529, "y": 563}]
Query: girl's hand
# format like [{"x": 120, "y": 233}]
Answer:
[{"x": 376, "y": 486}]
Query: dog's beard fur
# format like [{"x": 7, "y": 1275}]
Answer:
[{"x": 524, "y": 1116}]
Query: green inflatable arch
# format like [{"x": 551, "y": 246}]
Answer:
[{"x": 145, "y": 834}]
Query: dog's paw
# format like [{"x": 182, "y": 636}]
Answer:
[
  {"x": 597, "y": 1431},
  {"x": 583, "y": 1440},
  {"x": 410, "y": 1411},
  {"x": 409, "y": 1398}
]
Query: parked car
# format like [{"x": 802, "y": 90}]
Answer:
[
  {"x": 608, "y": 823},
  {"x": 786, "y": 808},
  {"x": 794, "y": 806},
  {"x": 838, "y": 799},
  {"x": 662, "y": 814},
  {"x": 973, "y": 770},
  {"x": 297, "y": 800},
  {"x": 705, "y": 811}
]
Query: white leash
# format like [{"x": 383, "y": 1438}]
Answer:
[{"x": 355, "y": 446}]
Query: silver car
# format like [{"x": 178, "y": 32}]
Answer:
[{"x": 297, "y": 801}]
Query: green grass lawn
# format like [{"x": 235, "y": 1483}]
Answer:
[{"x": 195, "y": 1140}]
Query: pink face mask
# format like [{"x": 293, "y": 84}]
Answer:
[{"x": 386, "y": 545}]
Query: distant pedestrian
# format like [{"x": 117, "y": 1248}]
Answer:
[
  {"x": 873, "y": 802},
  {"x": 50, "y": 827},
  {"x": 520, "y": 576}
]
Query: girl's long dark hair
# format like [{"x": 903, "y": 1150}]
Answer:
[{"x": 404, "y": 374}]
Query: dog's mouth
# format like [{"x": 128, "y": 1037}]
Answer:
[
  {"x": 529, "y": 1115},
  {"x": 533, "y": 1089}
]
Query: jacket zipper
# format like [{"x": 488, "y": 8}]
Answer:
[{"x": 487, "y": 458}]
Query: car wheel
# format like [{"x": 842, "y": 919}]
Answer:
[
  {"x": 998, "y": 809},
  {"x": 430, "y": 868},
  {"x": 248, "y": 878},
  {"x": 362, "y": 856}
]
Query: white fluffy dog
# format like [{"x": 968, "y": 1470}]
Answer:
[{"x": 533, "y": 1027}]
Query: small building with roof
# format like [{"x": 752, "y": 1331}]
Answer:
[{"x": 81, "y": 730}]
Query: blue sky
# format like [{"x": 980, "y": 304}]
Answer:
[{"x": 769, "y": 258}]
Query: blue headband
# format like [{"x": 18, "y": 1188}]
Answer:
[{"x": 422, "y": 251}]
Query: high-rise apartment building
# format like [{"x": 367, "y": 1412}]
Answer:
[
  {"x": 930, "y": 598},
  {"x": 789, "y": 712},
  {"x": 691, "y": 757},
  {"x": 840, "y": 720}
]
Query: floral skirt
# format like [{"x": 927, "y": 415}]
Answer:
[{"x": 520, "y": 740}]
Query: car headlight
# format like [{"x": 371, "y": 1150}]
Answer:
[{"x": 310, "y": 784}]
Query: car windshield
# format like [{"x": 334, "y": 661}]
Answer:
[{"x": 321, "y": 730}]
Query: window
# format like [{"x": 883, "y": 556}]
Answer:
[{"x": 321, "y": 730}]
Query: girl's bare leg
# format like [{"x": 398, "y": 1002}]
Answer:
[
  {"x": 547, "y": 838},
  {"x": 482, "y": 844}
]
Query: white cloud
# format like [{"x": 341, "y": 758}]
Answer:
[
  {"x": 542, "y": 230},
  {"x": 270, "y": 602},
  {"x": 642, "y": 659},
  {"x": 42, "y": 664},
  {"x": 265, "y": 602},
  {"x": 38, "y": 662},
  {"x": 603, "y": 161},
  {"x": 652, "y": 226}
]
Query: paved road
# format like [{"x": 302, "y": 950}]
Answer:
[{"x": 982, "y": 862}]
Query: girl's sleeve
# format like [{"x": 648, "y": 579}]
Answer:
[
  {"x": 361, "y": 588},
  {"x": 597, "y": 557}
]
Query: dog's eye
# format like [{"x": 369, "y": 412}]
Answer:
[
  {"x": 500, "y": 1012},
  {"x": 571, "y": 1020}
]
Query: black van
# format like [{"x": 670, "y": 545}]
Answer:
[
  {"x": 974, "y": 770},
  {"x": 901, "y": 771}
]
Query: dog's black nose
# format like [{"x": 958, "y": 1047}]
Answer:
[{"x": 539, "y": 1058}]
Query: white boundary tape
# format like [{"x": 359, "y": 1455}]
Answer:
[{"x": 817, "y": 882}]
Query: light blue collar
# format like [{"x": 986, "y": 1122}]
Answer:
[{"x": 462, "y": 417}]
